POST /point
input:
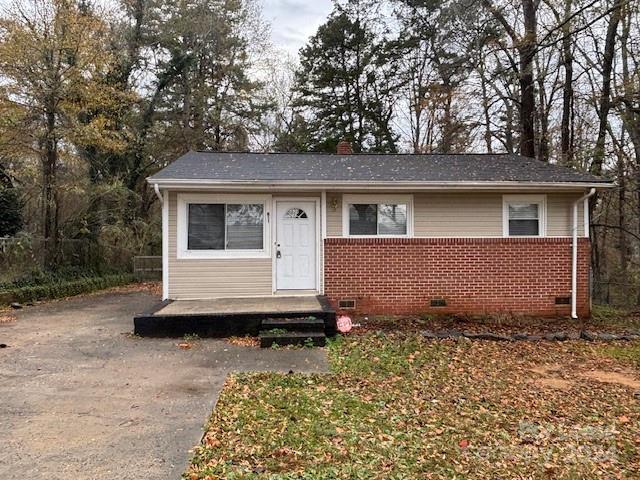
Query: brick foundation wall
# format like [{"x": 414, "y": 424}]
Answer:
[{"x": 473, "y": 275}]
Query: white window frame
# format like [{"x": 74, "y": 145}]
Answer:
[
  {"x": 182, "y": 226},
  {"x": 540, "y": 200},
  {"x": 377, "y": 199}
]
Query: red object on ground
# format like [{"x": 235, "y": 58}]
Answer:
[{"x": 344, "y": 324}]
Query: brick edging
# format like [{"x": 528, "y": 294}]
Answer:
[{"x": 526, "y": 337}]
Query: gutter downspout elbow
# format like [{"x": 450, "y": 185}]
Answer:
[
  {"x": 156, "y": 189},
  {"x": 574, "y": 252}
]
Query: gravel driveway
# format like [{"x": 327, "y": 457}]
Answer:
[{"x": 81, "y": 398}]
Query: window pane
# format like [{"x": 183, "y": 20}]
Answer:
[
  {"x": 523, "y": 227},
  {"x": 392, "y": 219},
  {"x": 363, "y": 219},
  {"x": 295, "y": 213},
  {"x": 245, "y": 226},
  {"x": 206, "y": 227},
  {"x": 523, "y": 211}
]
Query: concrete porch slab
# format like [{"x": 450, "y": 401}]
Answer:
[
  {"x": 230, "y": 316},
  {"x": 236, "y": 306}
]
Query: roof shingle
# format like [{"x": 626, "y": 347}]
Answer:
[{"x": 319, "y": 167}]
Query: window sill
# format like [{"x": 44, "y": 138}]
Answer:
[
  {"x": 227, "y": 255},
  {"x": 375, "y": 236},
  {"x": 524, "y": 236}
]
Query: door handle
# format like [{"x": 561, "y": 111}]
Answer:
[{"x": 278, "y": 254}]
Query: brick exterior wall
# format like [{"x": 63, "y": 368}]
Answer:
[{"x": 473, "y": 275}]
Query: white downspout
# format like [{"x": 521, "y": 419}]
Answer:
[
  {"x": 323, "y": 228},
  {"x": 162, "y": 196},
  {"x": 574, "y": 249},
  {"x": 156, "y": 189}
]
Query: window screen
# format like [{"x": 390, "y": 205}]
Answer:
[
  {"x": 524, "y": 219},
  {"x": 392, "y": 219},
  {"x": 244, "y": 226},
  {"x": 377, "y": 219},
  {"x": 219, "y": 226}
]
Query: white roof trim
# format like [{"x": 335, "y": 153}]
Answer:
[{"x": 370, "y": 185}]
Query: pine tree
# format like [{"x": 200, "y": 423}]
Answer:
[{"x": 345, "y": 81}]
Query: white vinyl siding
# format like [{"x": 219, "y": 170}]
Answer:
[
  {"x": 458, "y": 215},
  {"x": 466, "y": 214},
  {"x": 334, "y": 215},
  {"x": 560, "y": 214},
  {"x": 214, "y": 277}
]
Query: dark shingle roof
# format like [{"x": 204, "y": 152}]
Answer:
[{"x": 319, "y": 167}]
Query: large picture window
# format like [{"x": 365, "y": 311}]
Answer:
[
  {"x": 366, "y": 216},
  {"x": 220, "y": 226},
  {"x": 214, "y": 226},
  {"x": 523, "y": 216}
]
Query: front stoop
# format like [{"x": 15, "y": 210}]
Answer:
[
  {"x": 292, "y": 331},
  {"x": 218, "y": 323}
]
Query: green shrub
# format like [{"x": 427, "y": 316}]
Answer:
[{"x": 65, "y": 288}]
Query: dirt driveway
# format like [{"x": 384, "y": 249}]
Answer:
[{"x": 81, "y": 398}]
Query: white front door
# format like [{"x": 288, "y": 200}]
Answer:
[{"x": 295, "y": 245}]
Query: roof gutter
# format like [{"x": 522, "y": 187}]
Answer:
[
  {"x": 574, "y": 249},
  {"x": 386, "y": 185}
]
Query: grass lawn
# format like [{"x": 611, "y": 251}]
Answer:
[{"x": 396, "y": 406}]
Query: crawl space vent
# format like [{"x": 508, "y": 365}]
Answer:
[
  {"x": 563, "y": 300},
  {"x": 347, "y": 304},
  {"x": 438, "y": 302}
]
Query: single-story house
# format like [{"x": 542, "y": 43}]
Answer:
[{"x": 379, "y": 233}]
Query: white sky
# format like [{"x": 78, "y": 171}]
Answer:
[{"x": 294, "y": 21}]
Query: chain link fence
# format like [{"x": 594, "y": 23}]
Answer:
[
  {"x": 616, "y": 294},
  {"x": 147, "y": 267}
]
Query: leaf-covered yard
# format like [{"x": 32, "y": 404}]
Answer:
[{"x": 397, "y": 406}]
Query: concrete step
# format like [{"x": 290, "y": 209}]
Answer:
[
  {"x": 280, "y": 337},
  {"x": 303, "y": 324}
]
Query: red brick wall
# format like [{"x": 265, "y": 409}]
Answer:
[{"x": 473, "y": 275}]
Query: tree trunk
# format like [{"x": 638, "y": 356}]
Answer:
[
  {"x": 605, "y": 105},
  {"x": 447, "y": 122},
  {"x": 543, "y": 123},
  {"x": 566, "y": 140},
  {"x": 50, "y": 207},
  {"x": 623, "y": 249},
  {"x": 508, "y": 135},
  {"x": 485, "y": 109},
  {"x": 605, "y": 97},
  {"x": 526, "y": 47},
  {"x": 527, "y": 51}
]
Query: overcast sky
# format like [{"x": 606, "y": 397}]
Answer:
[{"x": 294, "y": 21}]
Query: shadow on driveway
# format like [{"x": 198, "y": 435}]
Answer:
[{"x": 81, "y": 398}]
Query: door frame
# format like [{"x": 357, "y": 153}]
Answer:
[{"x": 274, "y": 241}]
